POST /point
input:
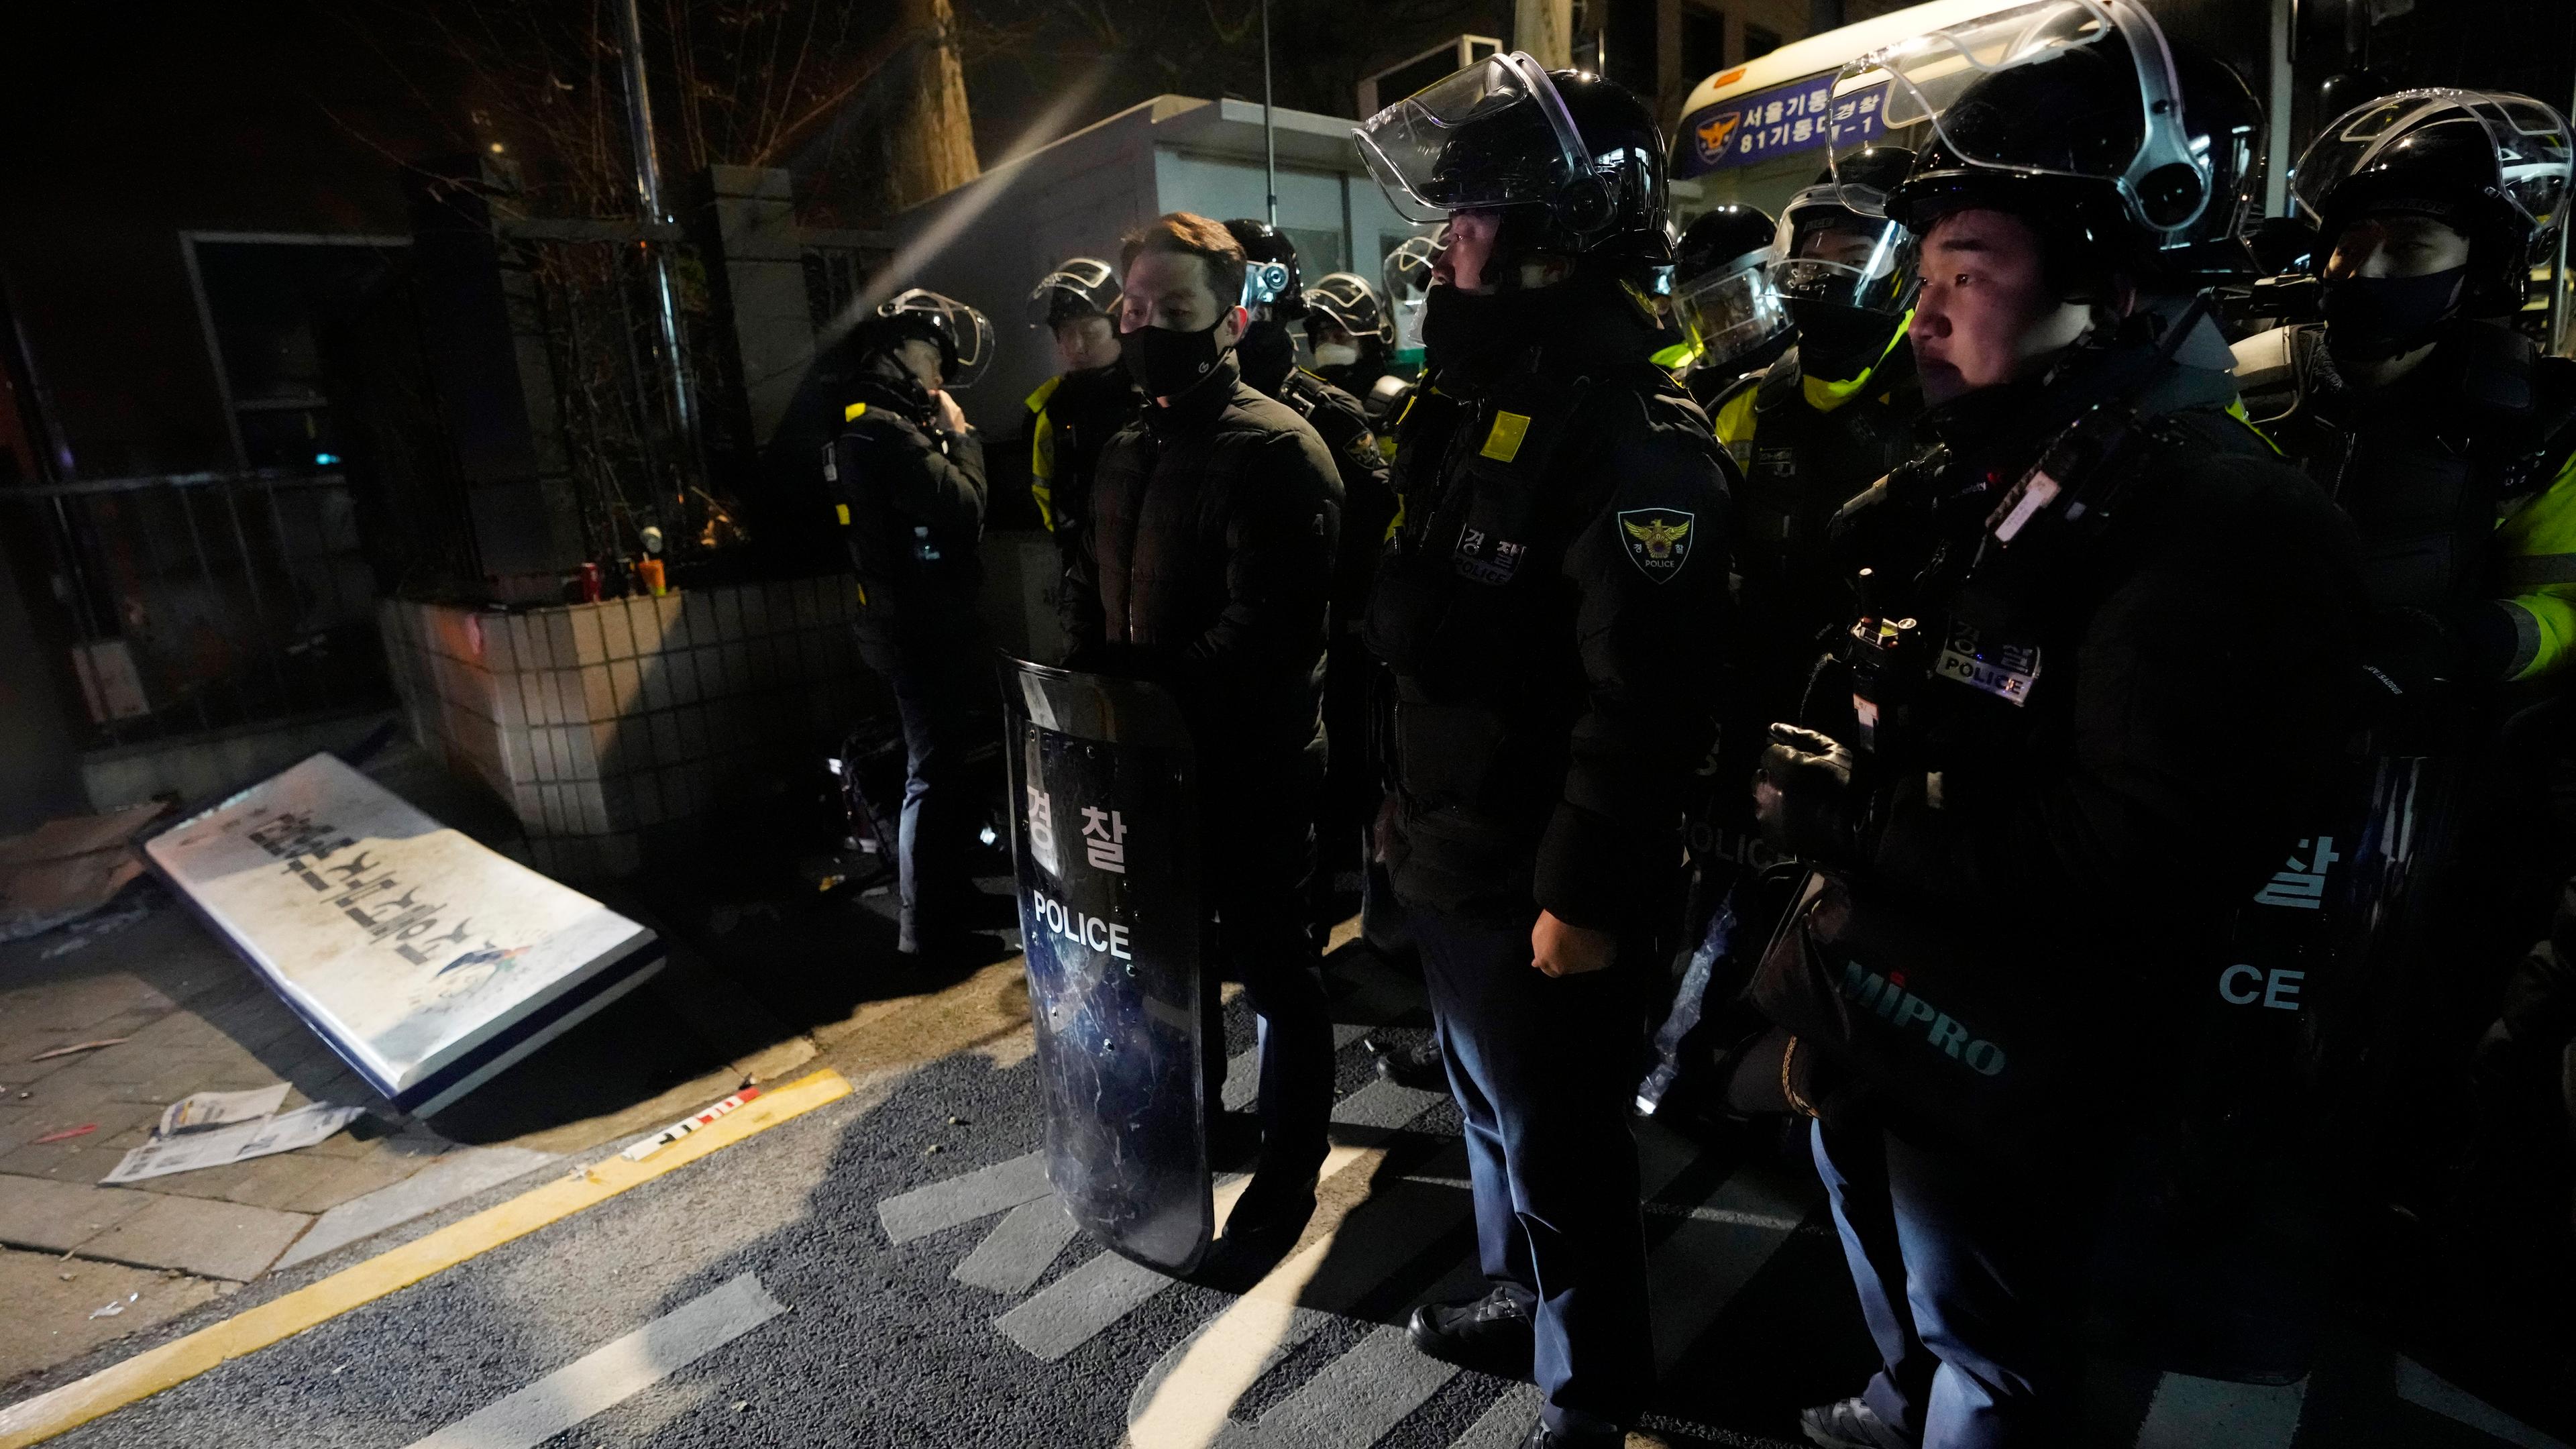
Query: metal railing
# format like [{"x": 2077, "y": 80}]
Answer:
[{"x": 202, "y": 601}]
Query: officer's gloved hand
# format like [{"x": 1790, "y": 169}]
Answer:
[
  {"x": 2416, "y": 683},
  {"x": 1805, "y": 799}
]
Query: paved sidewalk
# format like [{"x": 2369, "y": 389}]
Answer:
[{"x": 193, "y": 1019}]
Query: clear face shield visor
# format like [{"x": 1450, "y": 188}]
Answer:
[
  {"x": 1732, "y": 310},
  {"x": 1927, "y": 84},
  {"x": 1494, "y": 134},
  {"x": 1829, "y": 253},
  {"x": 966, "y": 327},
  {"x": 1081, "y": 285},
  {"x": 1407, "y": 272},
  {"x": 2529, "y": 140}
]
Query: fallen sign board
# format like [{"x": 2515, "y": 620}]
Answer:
[{"x": 426, "y": 961}]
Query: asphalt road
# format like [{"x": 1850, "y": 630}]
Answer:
[{"x": 803, "y": 1286}]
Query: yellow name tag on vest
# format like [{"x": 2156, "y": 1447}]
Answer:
[
  {"x": 854, "y": 412},
  {"x": 842, "y": 509},
  {"x": 1504, "y": 442}
]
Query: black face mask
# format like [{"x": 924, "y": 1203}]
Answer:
[
  {"x": 1167, "y": 363},
  {"x": 2371, "y": 319},
  {"x": 1837, "y": 342}
]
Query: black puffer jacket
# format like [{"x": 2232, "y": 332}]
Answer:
[
  {"x": 1368, "y": 501},
  {"x": 2190, "y": 673},
  {"x": 1206, "y": 560},
  {"x": 908, "y": 502},
  {"x": 1554, "y": 605}
]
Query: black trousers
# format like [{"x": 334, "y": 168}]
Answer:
[
  {"x": 1257, "y": 840},
  {"x": 940, "y": 685},
  {"x": 1544, "y": 1069}
]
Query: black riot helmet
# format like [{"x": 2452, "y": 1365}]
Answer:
[
  {"x": 1829, "y": 251},
  {"x": 2492, "y": 166},
  {"x": 1270, "y": 276},
  {"x": 964, "y": 337},
  {"x": 1082, "y": 287},
  {"x": 1722, "y": 239},
  {"x": 2077, "y": 116},
  {"x": 1574, "y": 163},
  {"x": 1723, "y": 290},
  {"x": 1350, "y": 303}
]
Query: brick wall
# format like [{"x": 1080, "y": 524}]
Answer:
[{"x": 601, "y": 722}]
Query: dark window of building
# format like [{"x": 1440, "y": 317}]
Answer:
[
  {"x": 1628, "y": 40},
  {"x": 270, "y": 304},
  {"x": 1759, "y": 42},
  {"x": 1703, "y": 44}
]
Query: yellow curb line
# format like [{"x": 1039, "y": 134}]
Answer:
[{"x": 181, "y": 1359}]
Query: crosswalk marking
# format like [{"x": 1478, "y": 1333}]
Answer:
[
  {"x": 1386, "y": 1105},
  {"x": 601, "y": 1379},
  {"x": 1354, "y": 1400},
  {"x": 2192, "y": 1413},
  {"x": 1018, "y": 1251},
  {"x": 1706, "y": 1261},
  {"x": 2420, "y": 1385},
  {"x": 981, "y": 1193},
  {"x": 1506, "y": 1422},
  {"x": 1186, "y": 1397},
  {"x": 1070, "y": 1310},
  {"x": 1704, "y": 1252}
]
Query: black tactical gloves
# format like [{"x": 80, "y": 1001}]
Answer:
[{"x": 1805, "y": 799}]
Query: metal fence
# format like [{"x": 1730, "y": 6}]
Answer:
[{"x": 201, "y": 601}]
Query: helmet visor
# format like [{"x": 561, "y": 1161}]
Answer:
[
  {"x": 1408, "y": 270},
  {"x": 1828, "y": 252},
  {"x": 1494, "y": 134},
  {"x": 2529, "y": 141},
  {"x": 1733, "y": 311},
  {"x": 1940, "y": 82},
  {"x": 974, "y": 346},
  {"x": 1081, "y": 286},
  {"x": 966, "y": 338},
  {"x": 1345, "y": 299}
]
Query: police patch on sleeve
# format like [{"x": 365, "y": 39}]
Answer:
[{"x": 1658, "y": 539}]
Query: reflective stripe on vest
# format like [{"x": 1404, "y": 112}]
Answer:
[{"x": 2536, "y": 549}]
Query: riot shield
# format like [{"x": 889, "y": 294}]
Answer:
[
  {"x": 2286, "y": 1107},
  {"x": 1105, "y": 836}
]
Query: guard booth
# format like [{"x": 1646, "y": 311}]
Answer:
[{"x": 987, "y": 242}]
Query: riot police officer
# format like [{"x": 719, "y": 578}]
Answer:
[
  {"x": 1549, "y": 604},
  {"x": 906, "y": 484},
  {"x": 1275, "y": 296},
  {"x": 1349, "y": 332},
  {"x": 1730, "y": 310},
  {"x": 2105, "y": 650},
  {"x": 2449, "y": 438},
  {"x": 1074, "y": 413},
  {"x": 1823, "y": 422},
  {"x": 2423, "y": 413}
]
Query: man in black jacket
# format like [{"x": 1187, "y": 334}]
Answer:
[
  {"x": 1205, "y": 565},
  {"x": 905, "y": 480},
  {"x": 1550, "y": 605},
  {"x": 2106, "y": 648}
]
